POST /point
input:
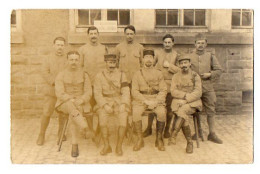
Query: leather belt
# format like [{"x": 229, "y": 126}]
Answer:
[
  {"x": 149, "y": 92},
  {"x": 111, "y": 95}
]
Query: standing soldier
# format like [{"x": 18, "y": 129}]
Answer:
[
  {"x": 149, "y": 91},
  {"x": 54, "y": 63},
  {"x": 73, "y": 90},
  {"x": 167, "y": 64},
  {"x": 207, "y": 66},
  {"x": 129, "y": 53},
  {"x": 92, "y": 57},
  {"x": 112, "y": 94},
  {"x": 186, "y": 92}
]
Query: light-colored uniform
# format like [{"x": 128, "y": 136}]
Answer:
[
  {"x": 186, "y": 87},
  {"x": 112, "y": 88},
  {"x": 51, "y": 67},
  {"x": 129, "y": 56},
  {"x": 148, "y": 84},
  {"x": 207, "y": 63}
]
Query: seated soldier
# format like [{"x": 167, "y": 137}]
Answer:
[
  {"x": 186, "y": 92},
  {"x": 149, "y": 91},
  {"x": 111, "y": 91},
  {"x": 73, "y": 90}
]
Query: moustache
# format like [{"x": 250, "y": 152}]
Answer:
[{"x": 184, "y": 67}]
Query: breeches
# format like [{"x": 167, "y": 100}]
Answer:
[
  {"x": 138, "y": 111},
  {"x": 209, "y": 102},
  {"x": 49, "y": 105},
  {"x": 185, "y": 111}
]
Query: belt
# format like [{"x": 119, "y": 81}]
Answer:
[
  {"x": 153, "y": 92},
  {"x": 111, "y": 95}
]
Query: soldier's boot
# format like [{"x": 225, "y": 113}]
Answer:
[
  {"x": 44, "y": 124},
  {"x": 140, "y": 142},
  {"x": 159, "y": 138},
  {"x": 175, "y": 130},
  {"x": 107, "y": 148},
  {"x": 89, "y": 119},
  {"x": 61, "y": 125},
  {"x": 120, "y": 138},
  {"x": 148, "y": 130},
  {"x": 74, "y": 150},
  {"x": 213, "y": 137},
  {"x": 187, "y": 133},
  {"x": 167, "y": 126}
]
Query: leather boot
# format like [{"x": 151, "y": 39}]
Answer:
[
  {"x": 159, "y": 139},
  {"x": 61, "y": 125},
  {"x": 120, "y": 138},
  {"x": 74, "y": 150},
  {"x": 175, "y": 130},
  {"x": 44, "y": 124},
  {"x": 148, "y": 130},
  {"x": 167, "y": 126},
  {"x": 140, "y": 142},
  {"x": 213, "y": 137},
  {"x": 187, "y": 133},
  {"x": 107, "y": 148},
  {"x": 89, "y": 119}
]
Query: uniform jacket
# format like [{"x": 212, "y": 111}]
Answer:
[
  {"x": 92, "y": 57},
  {"x": 205, "y": 63},
  {"x": 52, "y": 65},
  {"x": 148, "y": 80},
  {"x": 73, "y": 84},
  {"x": 186, "y": 87},
  {"x": 161, "y": 56},
  {"x": 115, "y": 94},
  {"x": 130, "y": 56}
]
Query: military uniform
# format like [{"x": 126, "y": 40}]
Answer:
[
  {"x": 71, "y": 86},
  {"x": 148, "y": 84},
  {"x": 51, "y": 67},
  {"x": 129, "y": 56}
]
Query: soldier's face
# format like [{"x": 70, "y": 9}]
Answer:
[
  {"x": 59, "y": 46},
  {"x": 73, "y": 61},
  {"x": 111, "y": 65},
  {"x": 200, "y": 44},
  {"x": 184, "y": 65},
  {"x": 148, "y": 60},
  {"x": 93, "y": 36},
  {"x": 168, "y": 43},
  {"x": 129, "y": 34}
]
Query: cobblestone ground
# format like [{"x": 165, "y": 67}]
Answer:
[{"x": 236, "y": 132}]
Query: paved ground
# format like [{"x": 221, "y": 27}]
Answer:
[{"x": 236, "y": 132}]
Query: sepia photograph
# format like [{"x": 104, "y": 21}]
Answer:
[{"x": 132, "y": 86}]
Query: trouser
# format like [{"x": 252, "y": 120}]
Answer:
[
  {"x": 138, "y": 110},
  {"x": 209, "y": 102}
]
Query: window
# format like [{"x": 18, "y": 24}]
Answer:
[
  {"x": 13, "y": 18},
  {"x": 16, "y": 21},
  {"x": 242, "y": 18},
  {"x": 180, "y": 18},
  {"x": 87, "y": 17}
]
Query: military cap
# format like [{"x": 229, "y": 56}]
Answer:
[
  {"x": 184, "y": 57},
  {"x": 110, "y": 57},
  {"x": 200, "y": 36},
  {"x": 148, "y": 52}
]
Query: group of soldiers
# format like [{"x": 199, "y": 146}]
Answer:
[{"x": 129, "y": 82}]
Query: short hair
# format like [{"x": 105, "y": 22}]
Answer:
[
  {"x": 168, "y": 36},
  {"x": 130, "y": 27},
  {"x": 92, "y": 28},
  {"x": 72, "y": 52},
  {"x": 59, "y": 38}
]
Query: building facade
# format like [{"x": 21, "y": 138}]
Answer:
[{"x": 229, "y": 33}]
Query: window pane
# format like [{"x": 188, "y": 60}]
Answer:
[
  {"x": 13, "y": 17},
  {"x": 235, "y": 18},
  {"x": 94, "y": 15},
  {"x": 246, "y": 18},
  {"x": 124, "y": 17},
  {"x": 160, "y": 17},
  {"x": 172, "y": 17},
  {"x": 188, "y": 17},
  {"x": 83, "y": 17},
  {"x": 112, "y": 15},
  {"x": 200, "y": 17}
]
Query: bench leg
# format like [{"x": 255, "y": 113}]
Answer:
[{"x": 196, "y": 130}]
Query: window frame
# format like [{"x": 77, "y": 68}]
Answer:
[
  {"x": 241, "y": 19},
  {"x": 17, "y": 27}
]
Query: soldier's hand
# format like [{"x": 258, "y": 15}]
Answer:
[
  {"x": 122, "y": 108},
  {"x": 79, "y": 102},
  {"x": 182, "y": 102},
  {"x": 205, "y": 75},
  {"x": 166, "y": 64},
  {"x": 147, "y": 102},
  {"x": 108, "y": 109}
]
